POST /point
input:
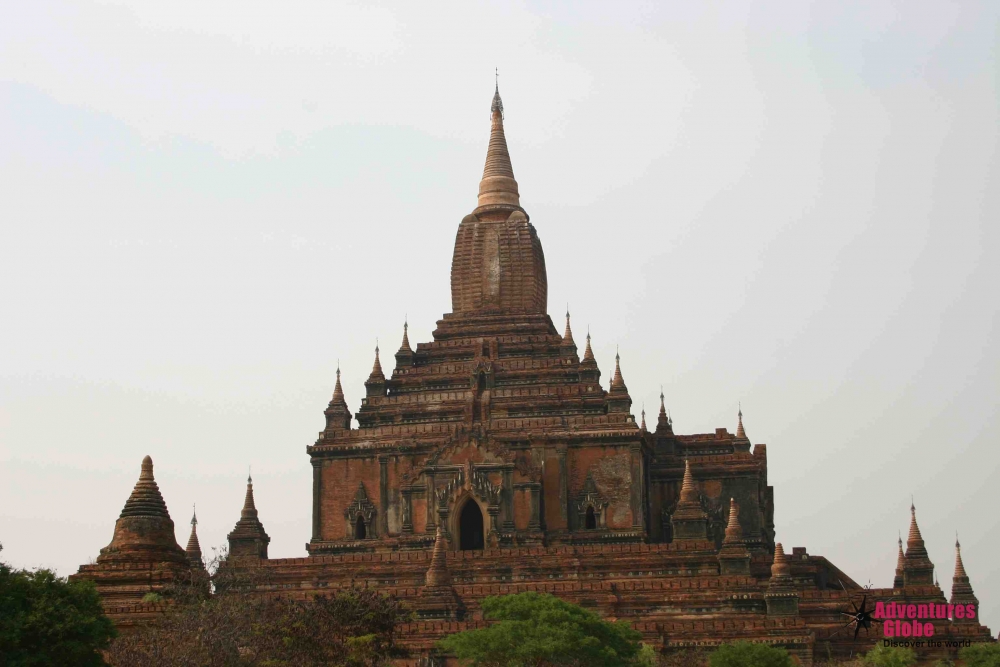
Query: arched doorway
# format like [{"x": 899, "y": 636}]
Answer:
[
  {"x": 359, "y": 529},
  {"x": 590, "y": 522},
  {"x": 470, "y": 527}
]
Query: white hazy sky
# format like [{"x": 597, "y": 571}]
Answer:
[{"x": 203, "y": 206}]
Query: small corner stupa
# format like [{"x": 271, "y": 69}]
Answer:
[{"x": 143, "y": 556}]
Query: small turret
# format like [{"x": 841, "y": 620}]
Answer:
[
  {"x": 664, "y": 425},
  {"x": 375, "y": 384},
  {"x": 567, "y": 348},
  {"x": 193, "y": 549},
  {"x": 143, "y": 555},
  {"x": 338, "y": 415},
  {"x": 438, "y": 574},
  {"x": 781, "y": 571},
  {"x": 742, "y": 443},
  {"x": 733, "y": 556},
  {"x": 404, "y": 357},
  {"x": 248, "y": 539},
  {"x": 438, "y": 599},
  {"x": 961, "y": 589},
  {"x": 589, "y": 372},
  {"x": 782, "y": 597},
  {"x": 918, "y": 570},
  {"x": 689, "y": 521},
  {"x": 618, "y": 399},
  {"x": 144, "y": 524}
]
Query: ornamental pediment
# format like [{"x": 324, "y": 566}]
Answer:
[{"x": 471, "y": 447}]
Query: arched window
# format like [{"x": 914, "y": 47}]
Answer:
[
  {"x": 590, "y": 523},
  {"x": 470, "y": 527},
  {"x": 360, "y": 532}
]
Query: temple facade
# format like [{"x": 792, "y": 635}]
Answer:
[
  {"x": 501, "y": 434},
  {"x": 492, "y": 460}
]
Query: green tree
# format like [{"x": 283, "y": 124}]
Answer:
[
  {"x": 45, "y": 620},
  {"x": 981, "y": 655},
  {"x": 749, "y": 654},
  {"x": 534, "y": 629},
  {"x": 889, "y": 656}
]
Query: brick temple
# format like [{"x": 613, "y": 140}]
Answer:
[{"x": 492, "y": 460}]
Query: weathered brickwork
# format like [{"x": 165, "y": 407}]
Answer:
[{"x": 491, "y": 460}]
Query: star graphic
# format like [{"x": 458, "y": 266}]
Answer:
[{"x": 860, "y": 616}]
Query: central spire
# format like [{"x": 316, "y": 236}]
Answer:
[
  {"x": 498, "y": 267},
  {"x": 497, "y": 189}
]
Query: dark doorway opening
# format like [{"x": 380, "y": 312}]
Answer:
[
  {"x": 590, "y": 522},
  {"x": 470, "y": 527},
  {"x": 359, "y": 530}
]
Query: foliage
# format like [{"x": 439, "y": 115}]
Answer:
[
  {"x": 647, "y": 657},
  {"x": 687, "y": 657},
  {"x": 540, "y": 629},
  {"x": 46, "y": 620},
  {"x": 749, "y": 654},
  {"x": 890, "y": 656},
  {"x": 981, "y": 655},
  {"x": 238, "y": 627}
]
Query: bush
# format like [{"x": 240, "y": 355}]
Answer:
[
  {"x": 749, "y": 654},
  {"x": 541, "y": 629},
  {"x": 981, "y": 655},
  {"x": 889, "y": 656},
  {"x": 46, "y": 620}
]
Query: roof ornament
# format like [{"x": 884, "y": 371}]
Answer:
[
  {"x": 663, "y": 420},
  {"x": 497, "y": 102},
  {"x": 193, "y": 549},
  {"x": 568, "y": 334},
  {"x": 405, "y": 345},
  {"x": 377, "y": 366},
  {"x": 588, "y": 354},
  {"x": 617, "y": 382}
]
